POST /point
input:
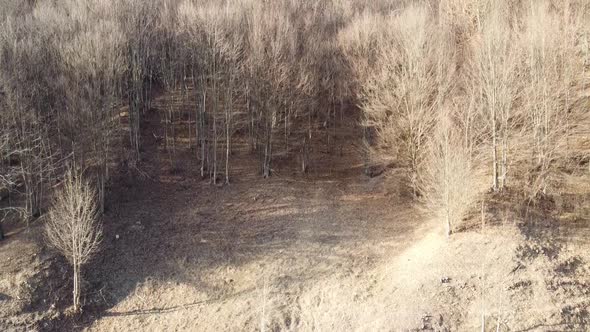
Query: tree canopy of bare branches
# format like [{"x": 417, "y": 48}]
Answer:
[{"x": 73, "y": 226}]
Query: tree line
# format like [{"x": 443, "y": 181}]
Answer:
[
  {"x": 77, "y": 77},
  {"x": 474, "y": 95}
]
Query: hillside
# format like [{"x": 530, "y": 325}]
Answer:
[
  {"x": 285, "y": 165},
  {"x": 333, "y": 249}
]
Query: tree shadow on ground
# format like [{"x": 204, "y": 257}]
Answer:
[{"x": 169, "y": 234}]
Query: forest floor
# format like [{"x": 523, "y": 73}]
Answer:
[{"x": 328, "y": 251}]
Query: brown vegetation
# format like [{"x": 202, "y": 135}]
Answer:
[{"x": 467, "y": 100}]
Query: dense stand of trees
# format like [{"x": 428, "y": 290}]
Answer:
[
  {"x": 465, "y": 90},
  {"x": 464, "y": 94},
  {"x": 77, "y": 76}
]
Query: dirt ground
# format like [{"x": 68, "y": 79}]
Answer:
[
  {"x": 333, "y": 250},
  {"x": 247, "y": 255}
]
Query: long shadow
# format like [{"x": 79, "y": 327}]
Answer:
[
  {"x": 158, "y": 231},
  {"x": 544, "y": 327},
  {"x": 159, "y": 227},
  {"x": 154, "y": 311}
]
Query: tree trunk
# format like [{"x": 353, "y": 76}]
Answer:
[
  {"x": 341, "y": 124},
  {"x": 228, "y": 116},
  {"x": 504, "y": 160},
  {"x": 215, "y": 100},
  {"x": 173, "y": 131},
  {"x": 304, "y": 155},
  {"x": 266, "y": 171},
  {"x": 76, "y": 291},
  {"x": 306, "y": 145},
  {"x": 366, "y": 155},
  {"x": 448, "y": 222},
  {"x": 166, "y": 136},
  {"x": 447, "y": 174},
  {"x": 494, "y": 153},
  {"x": 101, "y": 192},
  {"x": 104, "y": 172},
  {"x": 202, "y": 125},
  {"x": 251, "y": 124}
]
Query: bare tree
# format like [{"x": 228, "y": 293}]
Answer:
[
  {"x": 192, "y": 38},
  {"x": 400, "y": 98},
  {"x": 452, "y": 177},
  {"x": 138, "y": 20},
  {"x": 73, "y": 226},
  {"x": 359, "y": 42},
  {"x": 93, "y": 66},
  {"x": 230, "y": 46},
  {"x": 171, "y": 68},
  {"x": 25, "y": 73},
  {"x": 552, "y": 73},
  {"x": 8, "y": 177},
  {"x": 268, "y": 67},
  {"x": 496, "y": 76}
]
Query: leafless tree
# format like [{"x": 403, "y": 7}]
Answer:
[
  {"x": 268, "y": 67},
  {"x": 400, "y": 98},
  {"x": 8, "y": 178},
  {"x": 172, "y": 74},
  {"x": 359, "y": 41},
  {"x": 452, "y": 172},
  {"x": 496, "y": 76},
  {"x": 73, "y": 225},
  {"x": 93, "y": 67},
  {"x": 25, "y": 72},
  {"x": 552, "y": 73},
  {"x": 138, "y": 20}
]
